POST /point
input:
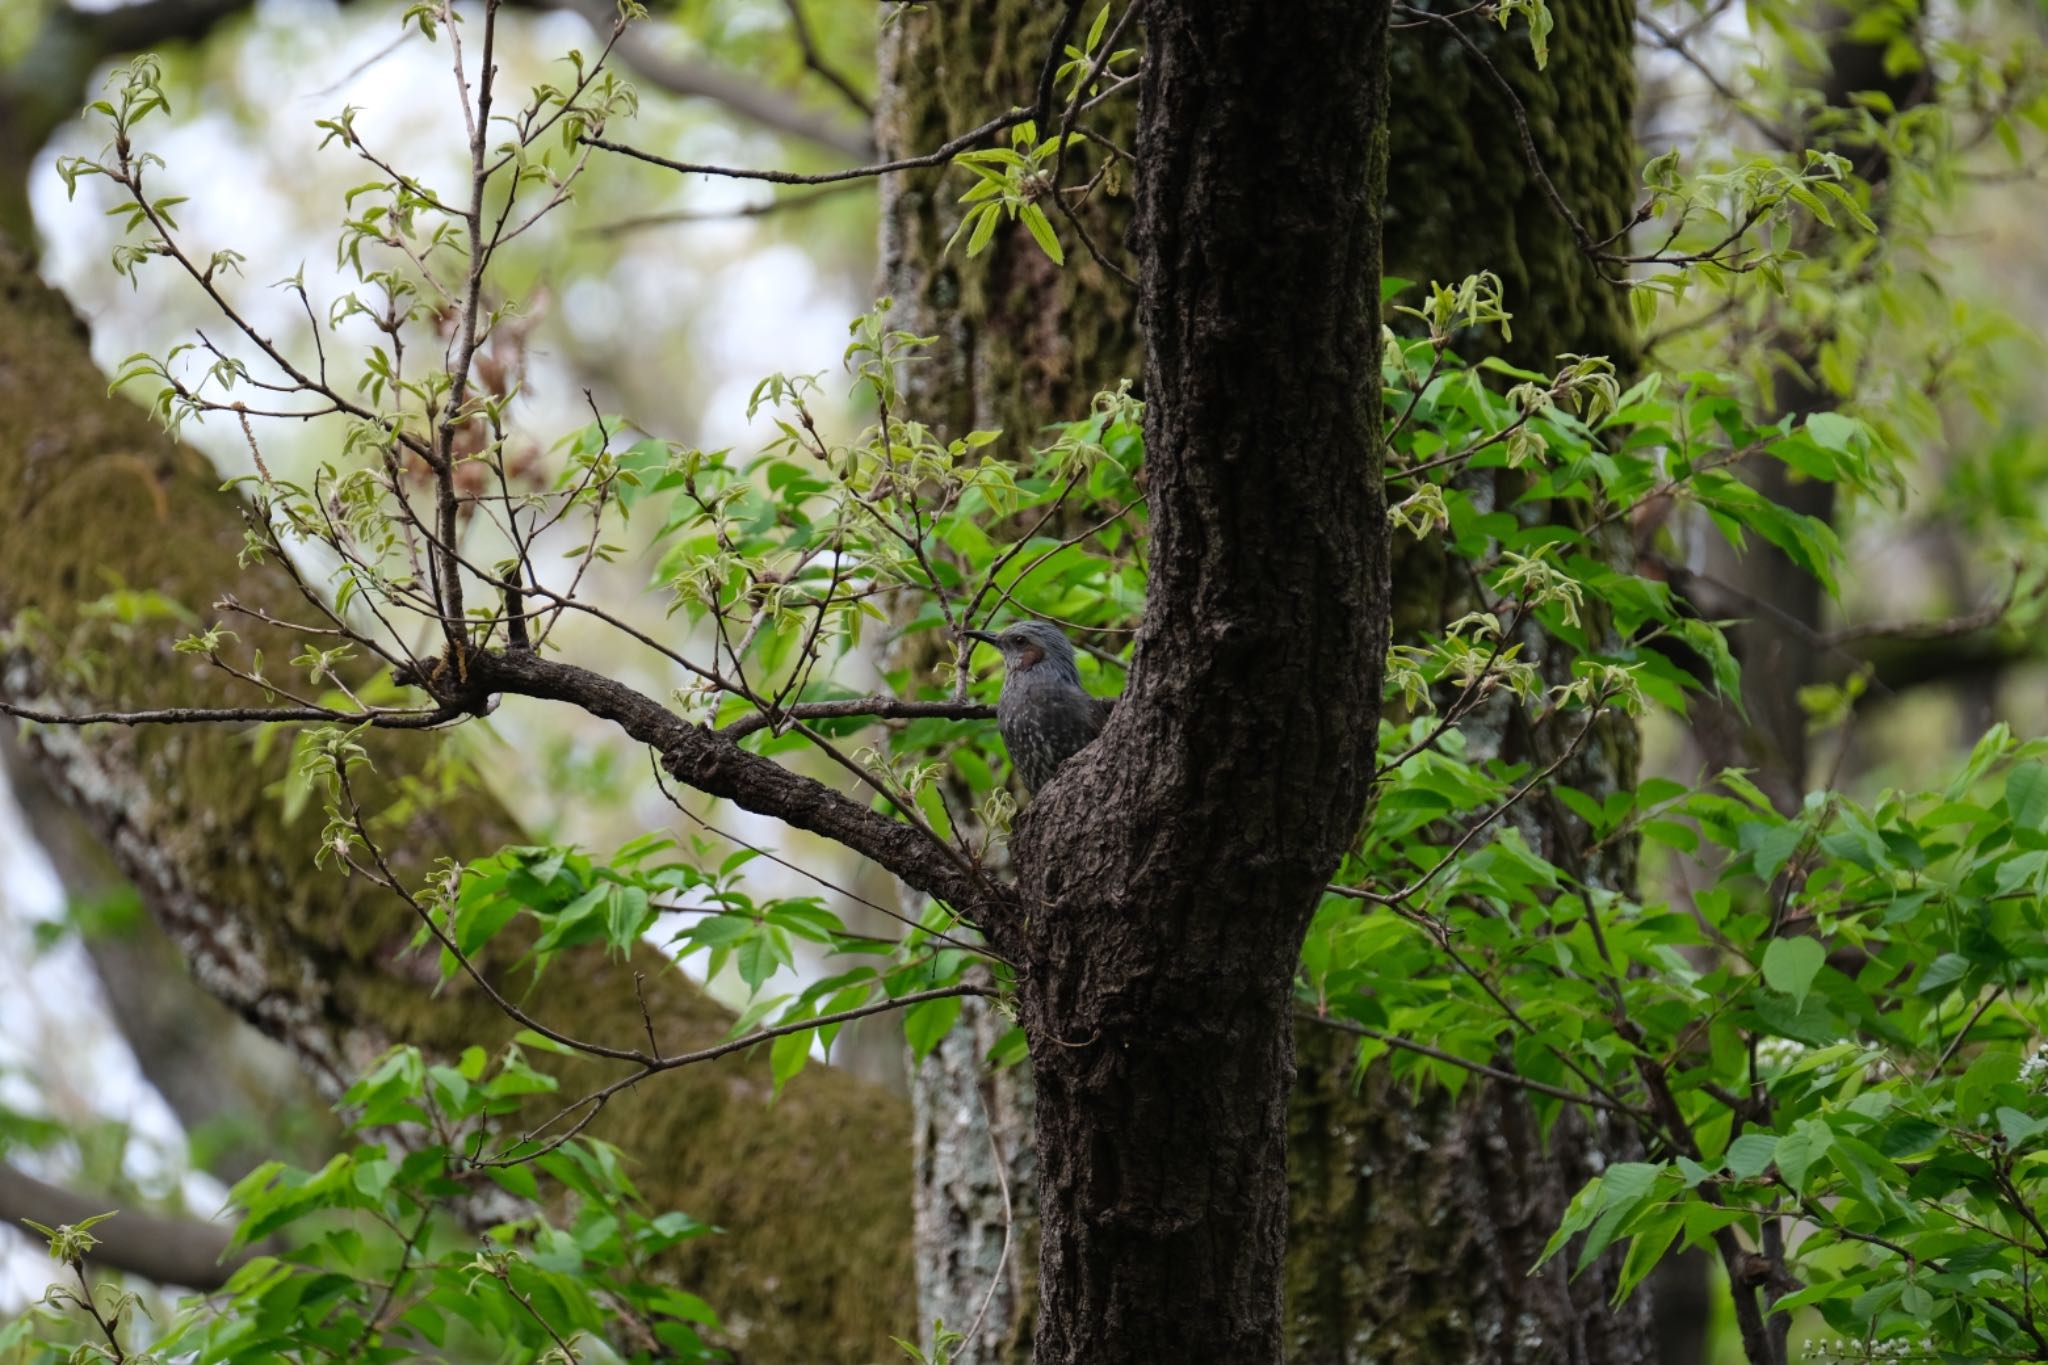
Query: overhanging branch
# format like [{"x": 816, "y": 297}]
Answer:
[{"x": 713, "y": 763}]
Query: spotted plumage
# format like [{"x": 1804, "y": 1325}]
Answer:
[{"x": 1044, "y": 714}]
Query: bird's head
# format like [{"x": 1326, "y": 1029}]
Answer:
[{"x": 1032, "y": 646}]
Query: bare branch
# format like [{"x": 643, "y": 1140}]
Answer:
[
  {"x": 681, "y": 216},
  {"x": 597, "y": 1099},
  {"x": 424, "y": 719},
  {"x": 802, "y": 29},
  {"x": 940, "y": 156}
]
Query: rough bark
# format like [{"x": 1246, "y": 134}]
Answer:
[
  {"x": 814, "y": 1265},
  {"x": 1169, "y": 871},
  {"x": 1023, "y": 343}
]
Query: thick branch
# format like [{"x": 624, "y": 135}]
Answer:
[
  {"x": 714, "y": 764},
  {"x": 182, "y": 1251}
]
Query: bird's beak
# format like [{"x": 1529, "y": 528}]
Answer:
[{"x": 982, "y": 636}]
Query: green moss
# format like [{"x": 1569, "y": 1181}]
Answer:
[
  {"x": 1461, "y": 196},
  {"x": 1023, "y": 342}
]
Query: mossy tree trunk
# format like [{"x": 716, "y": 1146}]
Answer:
[{"x": 814, "y": 1265}]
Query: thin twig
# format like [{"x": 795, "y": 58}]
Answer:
[
  {"x": 597, "y": 1099},
  {"x": 1009, "y": 1221},
  {"x": 816, "y": 63},
  {"x": 937, "y": 935},
  {"x": 1514, "y": 797},
  {"x": 1477, "y": 1068},
  {"x": 762, "y": 210}
]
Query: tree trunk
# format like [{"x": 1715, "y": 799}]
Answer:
[
  {"x": 1457, "y": 1198},
  {"x": 814, "y": 1266},
  {"x": 1023, "y": 343},
  {"x": 1171, "y": 868}
]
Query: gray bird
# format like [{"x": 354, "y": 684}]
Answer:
[{"x": 1044, "y": 715}]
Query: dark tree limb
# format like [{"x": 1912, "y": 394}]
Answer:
[
  {"x": 714, "y": 764},
  {"x": 881, "y": 708}
]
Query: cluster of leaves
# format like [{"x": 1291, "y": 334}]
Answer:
[
  {"x": 1832, "y": 1034},
  {"x": 791, "y": 554},
  {"x": 1836, "y": 1033},
  {"x": 364, "y": 1259},
  {"x": 700, "y": 907}
]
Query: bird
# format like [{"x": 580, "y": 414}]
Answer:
[{"x": 1044, "y": 715}]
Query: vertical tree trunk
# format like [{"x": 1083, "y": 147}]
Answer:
[
  {"x": 1413, "y": 1221},
  {"x": 1171, "y": 868}
]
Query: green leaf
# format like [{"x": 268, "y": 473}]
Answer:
[
  {"x": 759, "y": 956},
  {"x": 2026, "y": 796},
  {"x": 1750, "y": 1155},
  {"x": 788, "y": 1055},
  {"x": 2017, "y": 1127},
  {"x": 1790, "y": 964},
  {"x": 977, "y": 241},
  {"x": 1041, "y": 232},
  {"x": 925, "y": 1023},
  {"x": 1800, "y": 1148}
]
